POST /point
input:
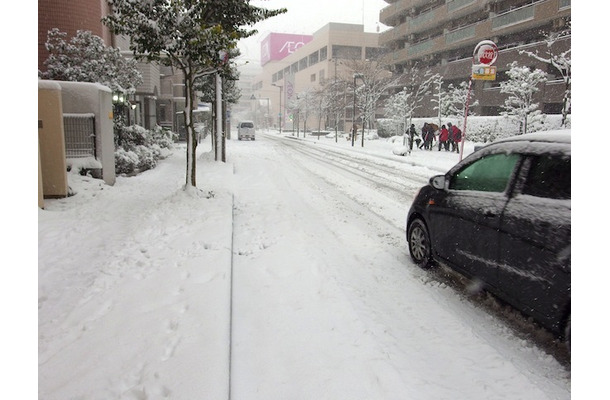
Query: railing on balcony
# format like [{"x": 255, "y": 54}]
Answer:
[
  {"x": 421, "y": 19},
  {"x": 420, "y": 47},
  {"x": 513, "y": 17},
  {"x": 453, "y": 5},
  {"x": 460, "y": 34}
]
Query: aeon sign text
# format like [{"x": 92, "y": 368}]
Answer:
[{"x": 276, "y": 46}]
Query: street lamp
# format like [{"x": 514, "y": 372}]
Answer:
[
  {"x": 354, "y": 109},
  {"x": 280, "y": 114},
  {"x": 267, "y": 114}
]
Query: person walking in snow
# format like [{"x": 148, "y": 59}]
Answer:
[
  {"x": 424, "y": 130},
  {"x": 456, "y": 138},
  {"x": 443, "y": 139},
  {"x": 450, "y": 131},
  {"x": 428, "y": 135},
  {"x": 412, "y": 133}
]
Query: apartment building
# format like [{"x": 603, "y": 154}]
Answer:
[
  {"x": 324, "y": 55},
  {"x": 440, "y": 35}
]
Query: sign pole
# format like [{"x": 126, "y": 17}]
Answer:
[
  {"x": 485, "y": 55},
  {"x": 465, "y": 118}
]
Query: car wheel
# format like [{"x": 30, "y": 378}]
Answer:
[{"x": 419, "y": 243}]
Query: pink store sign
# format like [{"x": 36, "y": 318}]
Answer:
[{"x": 276, "y": 46}]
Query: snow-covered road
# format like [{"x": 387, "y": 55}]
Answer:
[
  {"x": 327, "y": 304},
  {"x": 285, "y": 276}
]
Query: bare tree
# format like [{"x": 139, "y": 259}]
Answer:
[{"x": 369, "y": 82}]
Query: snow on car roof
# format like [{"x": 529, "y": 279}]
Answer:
[{"x": 554, "y": 136}]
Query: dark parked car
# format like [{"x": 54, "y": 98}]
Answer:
[{"x": 502, "y": 217}]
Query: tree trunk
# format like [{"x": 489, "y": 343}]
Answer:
[
  {"x": 191, "y": 138},
  {"x": 564, "y": 109}
]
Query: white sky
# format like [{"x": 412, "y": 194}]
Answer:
[{"x": 306, "y": 17}]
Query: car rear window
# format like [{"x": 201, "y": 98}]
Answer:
[
  {"x": 247, "y": 125},
  {"x": 488, "y": 174},
  {"x": 550, "y": 177}
]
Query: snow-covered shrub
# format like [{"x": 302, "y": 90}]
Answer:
[
  {"x": 147, "y": 158},
  {"x": 129, "y": 137},
  {"x": 125, "y": 162},
  {"x": 387, "y": 127},
  {"x": 486, "y": 131},
  {"x": 164, "y": 138},
  {"x": 139, "y": 149},
  {"x": 371, "y": 134}
]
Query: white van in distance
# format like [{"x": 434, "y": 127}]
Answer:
[{"x": 245, "y": 130}]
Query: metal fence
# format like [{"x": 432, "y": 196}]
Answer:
[{"x": 79, "y": 131}]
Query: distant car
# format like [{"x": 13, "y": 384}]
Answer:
[
  {"x": 245, "y": 130},
  {"x": 502, "y": 217}
]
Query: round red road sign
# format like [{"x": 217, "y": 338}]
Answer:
[{"x": 485, "y": 52}]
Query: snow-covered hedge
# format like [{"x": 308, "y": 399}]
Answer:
[
  {"x": 139, "y": 149},
  {"x": 479, "y": 129}
]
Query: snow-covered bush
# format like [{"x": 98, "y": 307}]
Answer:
[
  {"x": 139, "y": 149},
  {"x": 163, "y": 138},
  {"x": 85, "y": 58},
  {"x": 487, "y": 129},
  {"x": 125, "y": 162},
  {"x": 147, "y": 157}
]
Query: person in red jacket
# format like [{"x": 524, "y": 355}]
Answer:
[
  {"x": 443, "y": 139},
  {"x": 456, "y": 138}
]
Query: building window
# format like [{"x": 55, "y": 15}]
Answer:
[
  {"x": 373, "y": 53},
  {"x": 162, "y": 112},
  {"x": 302, "y": 63},
  {"x": 294, "y": 68},
  {"x": 347, "y": 52},
  {"x": 323, "y": 53},
  {"x": 314, "y": 58},
  {"x": 312, "y": 77}
]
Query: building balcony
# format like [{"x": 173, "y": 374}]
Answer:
[
  {"x": 391, "y": 14},
  {"x": 436, "y": 17},
  {"x": 516, "y": 20},
  {"x": 398, "y": 33}
]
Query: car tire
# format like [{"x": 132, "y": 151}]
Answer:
[{"x": 418, "y": 239}]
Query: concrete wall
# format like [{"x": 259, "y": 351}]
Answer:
[
  {"x": 81, "y": 97},
  {"x": 52, "y": 176}
]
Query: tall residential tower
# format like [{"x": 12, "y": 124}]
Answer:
[{"x": 440, "y": 35}]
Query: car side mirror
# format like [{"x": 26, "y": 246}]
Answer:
[{"x": 438, "y": 182}]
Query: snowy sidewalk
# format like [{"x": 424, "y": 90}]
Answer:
[{"x": 134, "y": 286}]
